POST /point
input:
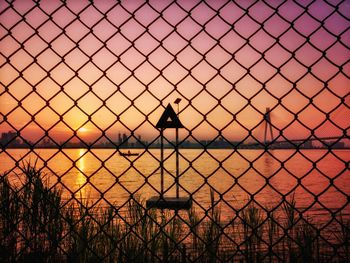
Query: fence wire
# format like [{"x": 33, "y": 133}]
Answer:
[{"x": 264, "y": 89}]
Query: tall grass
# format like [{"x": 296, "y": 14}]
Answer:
[
  {"x": 40, "y": 205},
  {"x": 36, "y": 225},
  {"x": 272, "y": 231},
  {"x": 252, "y": 221},
  {"x": 305, "y": 238},
  {"x": 213, "y": 231},
  {"x": 343, "y": 238},
  {"x": 9, "y": 220},
  {"x": 290, "y": 214}
]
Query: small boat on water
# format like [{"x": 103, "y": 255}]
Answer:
[{"x": 128, "y": 153}]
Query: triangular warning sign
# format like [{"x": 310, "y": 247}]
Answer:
[{"x": 169, "y": 119}]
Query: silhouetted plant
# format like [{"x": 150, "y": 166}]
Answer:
[
  {"x": 272, "y": 232},
  {"x": 306, "y": 240},
  {"x": 212, "y": 230},
  {"x": 343, "y": 237},
  {"x": 9, "y": 220},
  {"x": 194, "y": 227},
  {"x": 290, "y": 214},
  {"x": 252, "y": 221},
  {"x": 36, "y": 225}
]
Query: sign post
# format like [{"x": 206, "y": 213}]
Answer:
[
  {"x": 169, "y": 119},
  {"x": 177, "y": 102},
  {"x": 161, "y": 164}
]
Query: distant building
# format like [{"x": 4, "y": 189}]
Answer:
[
  {"x": 219, "y": 143},
  {"x": 203, "y": 142},
  {"x": 120, "y": 139},
  {"x": 9, "y": 139},
  {"x": 334, "y": 144},
  {"x": 123, "y": 140},
  {"x": 46, "y": 143},
  {"x": 307, "y": 145},
  {"x": 139, "y": 142},
  {"x": 284, "y": 145}
]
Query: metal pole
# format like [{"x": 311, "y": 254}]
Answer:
[
  {"x": 265, "y": 134},
  {"x": 177, "y": 163},
  {"x": 161, "y": 164},
  {"x": 271, "y": 134},
  {"x": 177, "y": 156}
]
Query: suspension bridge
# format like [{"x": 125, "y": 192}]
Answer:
[{"x": 272, "y": 141}]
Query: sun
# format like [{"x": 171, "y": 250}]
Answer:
[{"x": 83, "y": 130}]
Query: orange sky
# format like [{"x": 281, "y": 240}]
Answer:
[{"x": 121, "y": 70}]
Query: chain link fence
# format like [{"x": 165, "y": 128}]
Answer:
[{"x": 261, "y": 88}]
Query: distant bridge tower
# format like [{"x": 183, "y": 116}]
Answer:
[{"x": 268, "y": 126}]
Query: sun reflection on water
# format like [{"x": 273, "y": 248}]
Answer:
[{"x": 81, "y": 175}]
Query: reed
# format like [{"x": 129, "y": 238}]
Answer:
[
  {"x": 41, "y": 227},
  {"x": 290, "y": 213},
  {"x": 37, "y": 226},
  {"x": 272, "y": 232},
  {"x": 306, "y": 240},
  {"x": 9, "y": 220},
  {"x": 81, "y": 230},
  {"x": 343, "y": 237},
  {"x": 194, "y": 224},
  {"x": 252, "y": 221},
  {"x": 212, "y": 230}
]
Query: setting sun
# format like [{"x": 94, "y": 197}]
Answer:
[{"x": 83, "y": 130}]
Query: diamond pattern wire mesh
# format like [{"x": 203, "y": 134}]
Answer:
[{"x": 75, "y": 73}]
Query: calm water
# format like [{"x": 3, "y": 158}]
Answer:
[{"x": 102, "y": 172}]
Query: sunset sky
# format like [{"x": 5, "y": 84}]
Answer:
[{"x": 123, "y": 63}]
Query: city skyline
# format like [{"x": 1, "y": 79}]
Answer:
[{"x": 12, "y": 139}]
